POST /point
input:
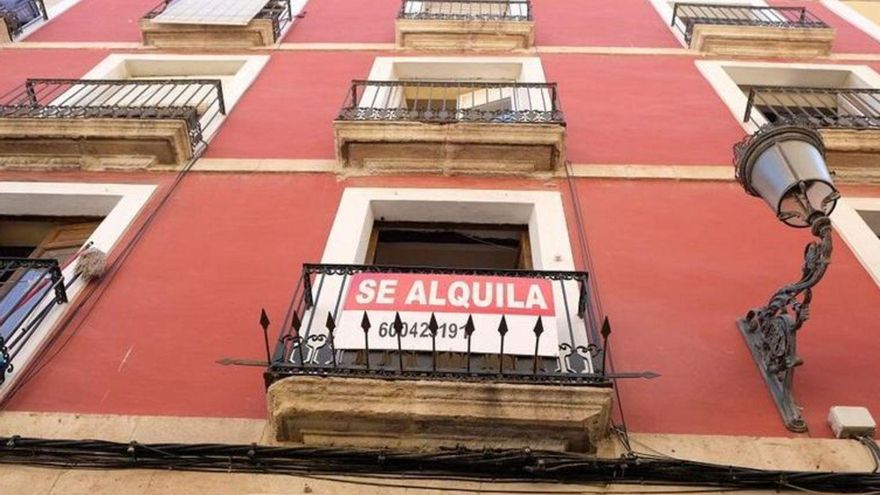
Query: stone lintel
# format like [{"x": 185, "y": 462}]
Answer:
[
  {"x": 462, "y": 147},
  {"x": 256, "y": 33},
  {"x": 761, "y": 41},
  {"x": 853, "y": 155},
  {"x": 93, "y": 143},
  {"x": 430, "y": 414},
  {"x": 4, "y": 32},
  {"x": 430, "y": 34}
]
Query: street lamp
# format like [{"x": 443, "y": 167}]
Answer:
[{"x": 785, "y": 166}]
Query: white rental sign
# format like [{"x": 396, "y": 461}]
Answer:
[{"x": 451, "y": 299}]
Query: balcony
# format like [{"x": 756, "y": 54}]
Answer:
[
  {"x": 16, "y": 15},
  {"x": 427, "y": 357},
  {"x": 264, "y": 29},
  {"x": 108, "y": 123},
  {"x": 451, "y": 127},
  {"x": 730, "y": 30},
  {"x": 465, "y": 25},
  {"x": 848, "y": 120},
  {"x": 29, "y": 289}
]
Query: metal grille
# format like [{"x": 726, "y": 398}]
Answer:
[
  {"x": 815, "y": 107},
  {"x": 29, "y": 289},
  {"x": 233, "y": 12},
  {"x": 447, "y": 102},
  {"x": 687, "y": 15},
  {"x": 308, "y": 343},
  {"x": 467, "y": 10},
  {"x": 22, "y": 14},
  {"x": 199, "y": 103},
  {"x": 278, "y": 11}
]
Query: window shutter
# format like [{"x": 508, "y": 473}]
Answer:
[{"x": 64, "y": 241}]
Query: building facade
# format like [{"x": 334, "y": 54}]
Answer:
[{"x": 405, "y": 226}]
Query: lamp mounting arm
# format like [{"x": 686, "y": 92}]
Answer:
[{"x": 770, "y": 331}]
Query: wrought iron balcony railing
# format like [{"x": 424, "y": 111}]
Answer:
[
  {"x": 199, "y": 103},
  {"x": 278, "y": 11},
  {"x": 466, "y": 10},
  {"x": 21, "y": 14},
  {"x": 838, "y": 108},
  {"x": 29, "y": 289},
  {"x": 445, "y": 324},
  {"x": 687, "y": 15},
  {"x": 453, "y": 101}
]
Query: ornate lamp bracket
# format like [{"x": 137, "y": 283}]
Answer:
[
  {"x": 771, "y": 331},
  {"x": 785, "y": 166}
]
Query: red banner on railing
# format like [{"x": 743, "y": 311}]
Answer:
[{"x": 431, "y": 293}]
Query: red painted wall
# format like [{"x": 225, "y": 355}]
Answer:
[
  {"x": 607, "y": 100},
  {"x": 346, "y": 21},
  {"x": 285, "y": 114},
  {"x": 188, "y": 295},
  {"x": 678, "y": 266},
  {"x": 19, "y": 65},
  {"x": 677, "y": 262},
  {"x": 641, "y": 110},
  {"x": 675, "y": 269},
  {"x": 597, "y": 23},
  {"x": 97, "y": 20}
]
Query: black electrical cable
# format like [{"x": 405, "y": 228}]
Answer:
[
  {"x": 503, "y": 465},
  {"x": 622, "y": 431}
]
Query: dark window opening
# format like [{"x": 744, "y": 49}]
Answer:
[
  {"x": 431, "y": 104},
  {"x": 450, "y": 245},
  {"x": 21, "y": 289},
  {"x": 872, "y": 218},
  {"x": 44, "y": 237}
]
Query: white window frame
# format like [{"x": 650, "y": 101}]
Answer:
[
  {"x": 732, "y": 96},
  {"x": 664, "y": 9},
  {"x": 856, "y": 233},
  {"x": 542, "y": 211},
  {"x": 116, "y": 66},
  {"x": 847, "y": 222},
  {"x": 490, "y": 69},
  {"x": 51, "y": 12},
  {"x": 414, "y": 6},
  {"x": 530, "y": 68},
  {"x": 119, "y": 204},
  {"x": 853, "y": 17}
]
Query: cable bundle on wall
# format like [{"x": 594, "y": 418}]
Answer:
[{"x": 507, "y": 465}]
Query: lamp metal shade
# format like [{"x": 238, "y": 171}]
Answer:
[{"x": 785, "y": 166}]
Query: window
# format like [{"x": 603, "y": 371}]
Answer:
[
  {"x": 40, "y": 238},
  {"x": 17, "y": 15},
  {"x": 216, "y": 24},
  {"x": 485, "y": 89},
  {"x": 489, "y": 102},
  {"x": 466, "y": 10},
  {"x": 863, "y": 14},
  {"x": 666, "y": 7},
  {"x": 450, "y": 245},
  {"x": 872, "y": 220},
  {"x": 409, "y": 237},
  {"x": 236, "y": 72},
  {"x": 857, "y": 220},
  {"x": 822, "y": 95},
  {"x": 46, "y": 224},
  {"x": 132, "y": 111},
  {"x": 44, "y": 237},
  {"x": 23, "y": 17}
]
